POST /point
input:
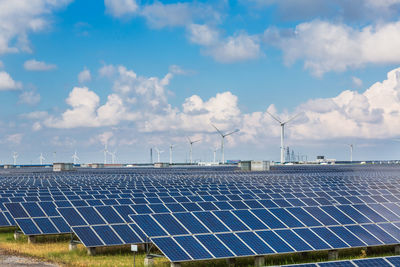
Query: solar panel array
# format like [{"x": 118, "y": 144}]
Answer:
[
  {"x": 392, "y": 261},
  {"x": 208, "y": 213}
]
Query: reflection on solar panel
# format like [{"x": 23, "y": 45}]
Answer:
[{"x": 208, "y": 213}]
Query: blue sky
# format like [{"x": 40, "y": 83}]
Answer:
[{"x": 138, "y": 74}]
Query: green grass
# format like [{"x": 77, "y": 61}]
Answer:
[{"x": 55, "y": 249}]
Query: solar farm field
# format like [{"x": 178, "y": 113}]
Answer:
[{"x": 195, "y": 215}]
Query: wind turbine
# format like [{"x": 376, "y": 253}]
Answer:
[
  {"x": 113, "y": 156},
  {"x": 105, "y": 151},
  {"x": 283, "y": 123},
  {"x": 351, "y": 152},
  {"x": 215, "y": 154},
  {"x": 75, "y": 157},
  {"x": 158, "y": 153},
  {"x": 191, "y": 150},
  {"x": 41, "y": 158},
  {"x": 171, "y": 146},
  {"x": 222, "y": 141},
  {"x": 15, "y": 156}
]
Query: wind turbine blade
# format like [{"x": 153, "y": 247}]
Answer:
[
  {"x": 275, "y": 118},
  {"x": 217, "y": 130},
  {"x": 188, "y": 138},
  {"x": 196, "y": 141},
  {"x": 294, "y": 117},
  {"x": 235, "y": 131}
]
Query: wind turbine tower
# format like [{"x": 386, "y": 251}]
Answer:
[
  {"x": 41, "y": 158},
  {"x": 171, "y": 146},
  {"x": 105, "y": 151},
  {"x": 158, "y": 154},
  {"x": 191, "y": 149},
  {"x": 15, "y": 156},
  {"x": 215, "y": 154},
  {"x": 351, "y": 152},
  {"x": 75, "y": 157},
  {"x": 283, "y": 123},
  {"x": 113, "y": 156},
  {"x": 222, "y": 141}
]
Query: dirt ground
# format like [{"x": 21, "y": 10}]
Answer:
[{"x": 9, "y": 260}]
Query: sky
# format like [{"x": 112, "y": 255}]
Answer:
[{"x": 76, "y": 75}]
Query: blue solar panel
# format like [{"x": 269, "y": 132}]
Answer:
[
  {"x": 61, "y": 225},
  {"x": 321, "y": 216},
  {"x": 16, "y": 210},
  {"x": 286, "y": 218},
  {"x": 380, "y": 234},
  {"x": 107, "y": 235},
  {"x": 3, "y": 220},
  {"x": 87, "y": 236},
  {"x": 142, "y": 209},
  {"x": 336, "y": 264},
  {"x": 354, "y": 214},
  {"x": 109, "y": 214},
  {"x": 268, "y": 219},
  {"x": 127, "y": 234},
  {"x": 235, "y": 244},
  {"x": 395, "y": 260},
  {"x": 312, "y": 239},
  {"x": 371, "y": 263},
  {"x": 211, "y": 222},
  {"x": 337, "y": 215},
  {"x": 254, "y": 242},
  {"x": 274, "y": 241},
  {"x": 290, "y": 237},
  {"x": 304, "y": 217},
  {"x": 49, "y": 208},
  {"x": 124, "y": 211},
  {"x": 45, "y": 225},
  {"x": 171, "y": 249},
  {"x": 148, "y": 225},
  {"x": 368, "y": 212},
  {"x": 170, "y": 224},
  {"x": 231, "y": 221},
  {"x": 363, "y": 235},
  {"x": 329, "y": 237},
  {"x": 193, "y": 247},
  {"x": 91, "y": 215},
  {"x": 250, "y": 220},
  {"x": 72, "y": 216},
  {"x": 33, "y": 209},
  {"x": 191, "y": 223},
  {"x": 28, "y": 227},
  {"x": 346, "y": 235}
]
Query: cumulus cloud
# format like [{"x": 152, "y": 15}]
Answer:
[
  {"x": 19, "y": 18},
  {"x": 238, "y": 47},
  {"x": 324, "y": 46},
  {"x": 29, "y": 97},
  {"x": 120, "y": 8},
  {"x": 34, "y": 65},
  {"x": 84, "y": 76},
  {"x": 86, "y": 111},
  {"x": 15, "y": 138},
  {"x": 8, "y": 83}
]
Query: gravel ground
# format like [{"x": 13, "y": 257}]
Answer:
[{"x": 8, "y": 260}]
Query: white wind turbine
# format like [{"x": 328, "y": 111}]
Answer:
[
  {"x": 75, "y": 157},
  {"x": 191, "y": 147},
  {"x": 351, "y": 152},
  {"x": 113, "y": 156},
  {"x": 215, "y": 154},
  {"x": 222, "y": 141},
  {"x": 158, "y": 153},
  {"x": 105, "y": 151},
  {"x": 41, "y": 158},
  {"x": 171, "y": 146},
  {"x": 283, "y": 123},
  {"x": 15, "y": 156}
]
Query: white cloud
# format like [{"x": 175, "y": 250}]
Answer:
[
  {"x": 239, "y": 47},
  {"x": 34, "y": 65},
  {"x": 35, "y": 115},
  {"x": 107, "y": 71},
  {"x": 29, "y": 97},
  {"x": 324, "y": 46},
  {"x": 86, "y": 111},
  {"x": 357, "y": 81},
  {"x": 15, "y": 138},
  {"x": 19, "y": 18},
  {"x": 121, "y": 8},
  {"x": 84, "y": 76},
  {"x": 7, "y": 83}
]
